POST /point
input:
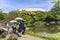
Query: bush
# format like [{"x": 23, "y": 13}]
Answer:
[
  {"x": 55, "y": 36},
  {"x": 3, "y": 35},
  {"x": 12, "y": 37}
]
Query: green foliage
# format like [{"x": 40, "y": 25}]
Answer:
[
  {"x": 1, "y": 17},
  {"x": 35, "y": 16},
  {"x": 54, "y": 36},
  {"x": 12, "y": 37},
  {"x": 3, "y": 35},
  {"x": 51, "y": 17},
  {"x": 32, "y": 16},
  {"x": 12, "y": 15},
  {"x": 56, "y": 10}
]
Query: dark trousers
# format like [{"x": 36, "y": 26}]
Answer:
[
  {"x": 14, "y": 30},
  {"x": 20, "y": 30},
  {"x": 23, "y": 30}
]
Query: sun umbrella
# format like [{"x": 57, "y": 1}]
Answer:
[
  {"x": 13, "y": 21},
  {"x": 19, "y": 18}
]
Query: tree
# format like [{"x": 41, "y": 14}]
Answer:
[
  {"x": 12, "y": 15},
  {"x": 55, "y": 12},
  {"x": 1, "y": 15}
]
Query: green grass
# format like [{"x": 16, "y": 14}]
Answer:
[
  {"x": 12, "y": 37},
  {"x": 55, "y": 36}
]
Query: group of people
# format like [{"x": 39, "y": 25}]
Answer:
[{"x": 21, "y": 27}]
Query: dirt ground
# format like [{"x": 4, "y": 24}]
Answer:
[{"x": 28, "y": 37}]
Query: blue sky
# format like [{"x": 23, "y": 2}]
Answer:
[{"x": 8, "y": 5}]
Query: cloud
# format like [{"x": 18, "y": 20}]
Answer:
[
  {"x": 8, "y": 5},
  {"x": 47, "y": 5}
]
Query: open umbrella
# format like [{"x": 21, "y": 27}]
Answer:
[
  {"x": 19, "y": 18},
  {"x": 13, "y": 21}
]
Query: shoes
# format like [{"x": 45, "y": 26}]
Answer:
[{"x": 19, "y": 34}]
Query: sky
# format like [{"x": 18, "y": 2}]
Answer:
[{"x": 8, "y": 5}]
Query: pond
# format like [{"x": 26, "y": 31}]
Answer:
[{"x": 42, "y": 33}]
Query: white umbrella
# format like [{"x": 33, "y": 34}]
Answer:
[
  {"x": 13, "y": 21},
  {"x": 19, "y": 18}
]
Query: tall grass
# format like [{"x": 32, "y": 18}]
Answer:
[{"x": 55, "y": 36}]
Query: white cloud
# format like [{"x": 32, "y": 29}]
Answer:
[
  {"x": 4, "y": 4},
  {"x": 33, "y": 9}
]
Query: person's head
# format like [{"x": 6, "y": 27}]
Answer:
[
  {"x": 14, "y": 23},
  {"x": 20, "y": 21},
  {"x": 23, "y": 21}
]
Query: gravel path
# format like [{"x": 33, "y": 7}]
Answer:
[{"x": 28, "y": 37}]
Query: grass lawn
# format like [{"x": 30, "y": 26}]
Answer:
[{"x": 55, "y": 36}]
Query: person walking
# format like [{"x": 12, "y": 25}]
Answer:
[
  {"x": 14, "y": 27},
  {"x": 7, "y": 26},
  {"x": 21, "y": 25},
  {"x": 24, "y": 28}
]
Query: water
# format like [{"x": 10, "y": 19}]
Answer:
[{"x": 42, "y": 33}]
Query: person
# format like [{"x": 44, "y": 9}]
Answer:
[
  {"x": 20, "y": 28},
  {"x": 14, "y": 27},
  {"x": 24, "y": 27},
  {"x": 7, "y": 25}
]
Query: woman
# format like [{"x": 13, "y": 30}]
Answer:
[
  {"x": 14, "y": 27},
  {"x": 7, "y": 25}
]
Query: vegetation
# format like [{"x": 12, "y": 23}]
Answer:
[
  {"x": 55, "y": 36},
  {"x": 37, "y": 21},
  {"x": 3, "y": 35},
  {"x": 12, "y": 37}
]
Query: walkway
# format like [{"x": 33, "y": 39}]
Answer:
[{"x": 28, "y": 37}]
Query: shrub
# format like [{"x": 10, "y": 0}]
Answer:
[
  {"x": 55, "y": 36},
  {"x": 3, "y": 35},
  {"x": 12, "y": 37}
]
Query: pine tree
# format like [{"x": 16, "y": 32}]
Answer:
[{"x": 56, "y": 8}]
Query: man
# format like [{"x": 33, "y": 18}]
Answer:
[
  {"x": 24, "y": 27},
  {"x": 21, "y": 25}
]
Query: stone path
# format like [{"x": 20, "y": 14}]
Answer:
[{"x": 28, "y": 37}]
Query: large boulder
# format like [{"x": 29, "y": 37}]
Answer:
[{"x": 3, "y": 30}]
